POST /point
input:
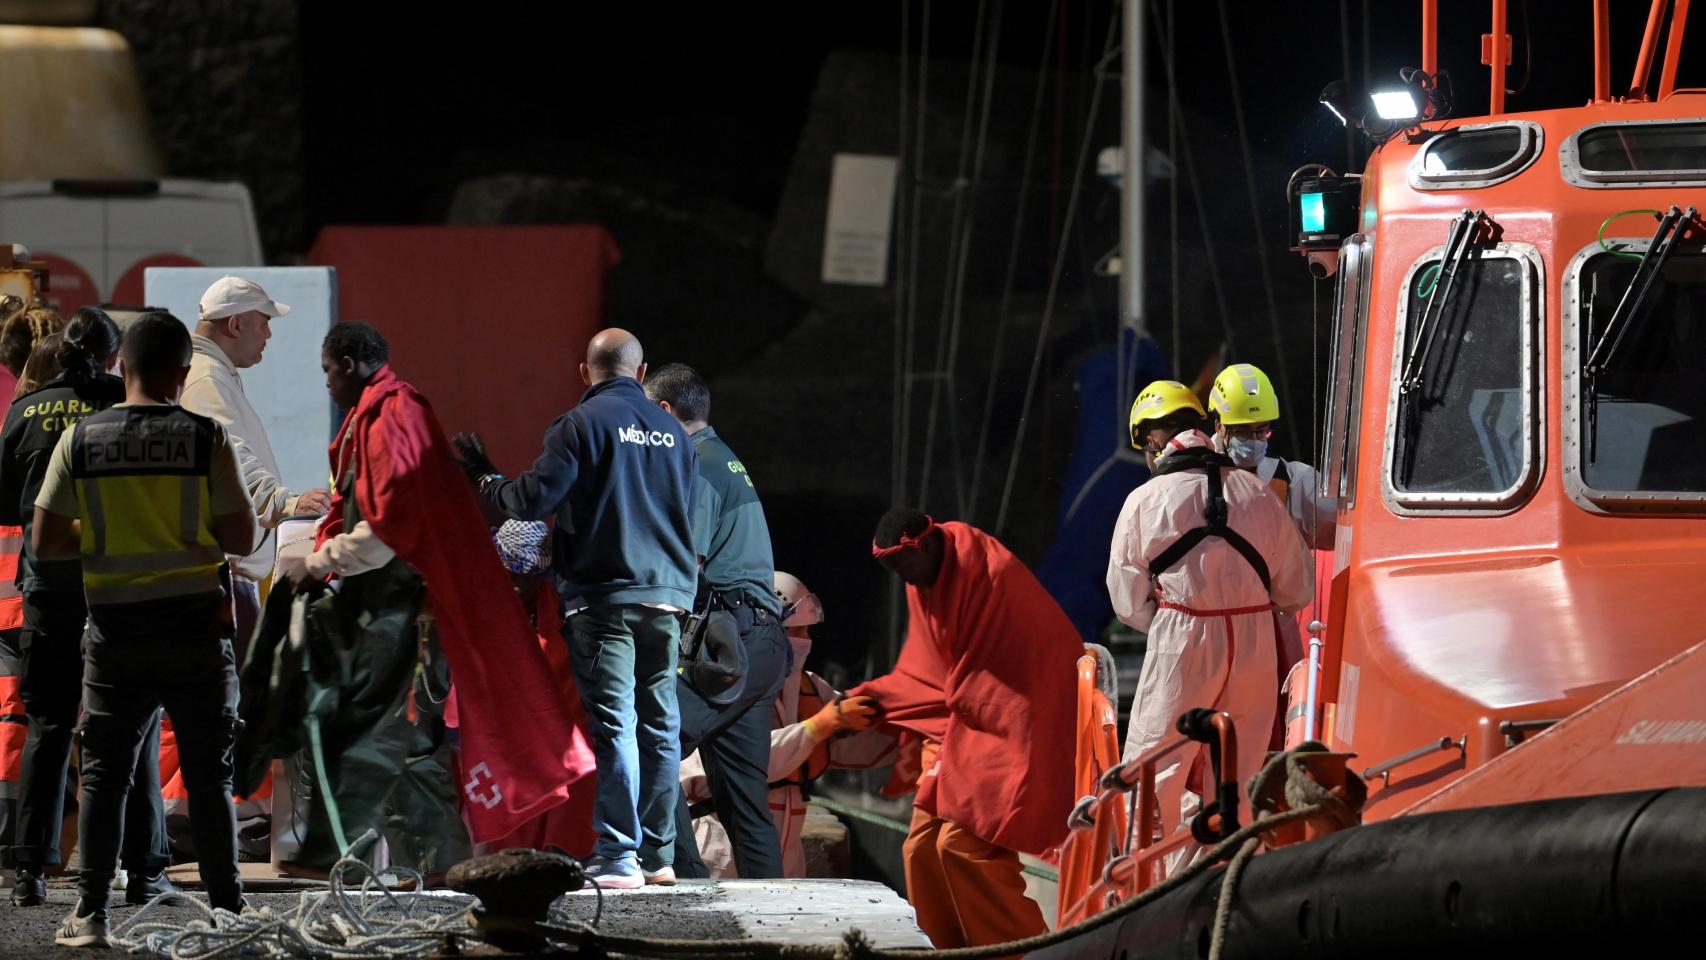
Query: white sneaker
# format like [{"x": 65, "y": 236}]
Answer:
[
  {"x": 663, "y": 876},
  {"x": 85, "y": 931}
]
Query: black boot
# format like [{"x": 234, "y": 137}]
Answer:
[
  {"x": 30, "y": 888},
  {"x": 143, "y": 888}
]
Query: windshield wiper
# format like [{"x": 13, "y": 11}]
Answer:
[
  {"x": 1457, "y": 244},
  {"x": 1622, "y": 319},
  {"x": 1458, "y": 241}
]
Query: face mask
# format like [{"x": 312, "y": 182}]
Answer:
[
  {"x": 1246, "y": 453},
  {"x": 802, "y": 644}
]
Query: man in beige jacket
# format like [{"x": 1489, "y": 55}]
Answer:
[{"x": 232, "y": 335}]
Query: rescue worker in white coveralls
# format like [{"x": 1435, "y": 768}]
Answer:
[
  {"x": 1245, "y": 408},
  {"x": 1202, "y": 555},
  {"x": 813, "y": 730}
]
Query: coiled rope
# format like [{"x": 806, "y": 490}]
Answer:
[{"x": 372, "y": 922}]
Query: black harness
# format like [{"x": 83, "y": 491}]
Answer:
[{"x": 1210, "y": 463}]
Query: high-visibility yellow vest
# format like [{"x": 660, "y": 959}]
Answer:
[{"x": 145, "y": 501}]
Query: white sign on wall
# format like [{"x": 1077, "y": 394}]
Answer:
[
  {"x": 287, "y": 388},
  {"x": 861, "y": 211}
]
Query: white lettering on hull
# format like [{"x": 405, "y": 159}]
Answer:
[{"x": 1664, "y": 732}]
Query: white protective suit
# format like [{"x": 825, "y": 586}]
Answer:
[
  {"x": 1197, "y": 657},
  {"x": 1314, "y": 515},
  {"x": 791, "y": 745}
]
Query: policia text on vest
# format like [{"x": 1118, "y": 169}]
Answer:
[{"x": 146, "y": 482}]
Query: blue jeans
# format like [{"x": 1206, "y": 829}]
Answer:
[{"x": 624, "y": 662}]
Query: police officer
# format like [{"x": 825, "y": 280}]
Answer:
[
  {"x": 160, "y": 503},
  {"x": 730, "y": 729},
  {"x": 51, "y": 679}
]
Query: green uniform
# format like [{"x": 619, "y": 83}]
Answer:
[{"x": 729, "y": 529}]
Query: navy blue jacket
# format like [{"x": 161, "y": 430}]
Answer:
[{"x": 618, "y": 473}]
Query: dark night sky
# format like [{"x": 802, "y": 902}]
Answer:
[
  {"x": 696, "y": 105},
  {"x": 709, "y": 99}
]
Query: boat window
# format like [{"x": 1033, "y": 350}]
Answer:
[
  {"x": 1344, "y": 387},
  {"x": 1476, "y": 156},
  {"x": 1642, "y": 418},
  {"x": 1463, "y": 433},
  {"x": 1637, "y": 153}
]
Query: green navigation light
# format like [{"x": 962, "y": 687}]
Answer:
[{"x": 1314, "y": 210}]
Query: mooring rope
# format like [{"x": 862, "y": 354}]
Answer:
[{"x": 372, "y": 924}]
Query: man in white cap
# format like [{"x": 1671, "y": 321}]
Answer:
[{"x": 231, "y": 336}]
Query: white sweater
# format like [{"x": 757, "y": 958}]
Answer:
[{"x": 215, "y": 390}]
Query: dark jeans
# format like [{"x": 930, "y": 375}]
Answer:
[
  {"x": 139, "y": 658},
  {"x": 245, "y": 614},
  {"x": 733, "y": 741},
  {"x": 624, "y": 663},
  {"x": 52, "y": 688}
]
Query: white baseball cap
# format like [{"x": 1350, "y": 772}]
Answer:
[{"x": 230, "y": 296}]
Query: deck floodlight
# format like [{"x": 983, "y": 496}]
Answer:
[
  {"x": 1345, "y": 102},
  {"x": 1396, "y": 104},
  {"x": 1384, "y": 114}
]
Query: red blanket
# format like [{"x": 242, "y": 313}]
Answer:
[
  {"x": 567, "y": 827},
  {"x": 989, "y": 671},
  {"x": 521, "y": 750}
]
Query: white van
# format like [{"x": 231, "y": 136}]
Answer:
[{"x": 98, "y": 236}]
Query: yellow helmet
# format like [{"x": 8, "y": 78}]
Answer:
[
  {"x": 1158, "y": 400},
  {"x": 1243, "y": 394}
]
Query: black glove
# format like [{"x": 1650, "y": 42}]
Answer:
[{"x": 475, "y": 463}]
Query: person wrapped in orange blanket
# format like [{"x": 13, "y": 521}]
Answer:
[{"x": 987, "y": 678}]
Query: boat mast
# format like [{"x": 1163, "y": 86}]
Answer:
[
  {"x": 1132, "y": 189},
  {"x": 1131, "y": 174}
]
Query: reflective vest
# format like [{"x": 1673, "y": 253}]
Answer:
[
  {"x": 11, "y": 601},
  {"x": 14, "y": 724},
  {"x": 145, "y": 500}
]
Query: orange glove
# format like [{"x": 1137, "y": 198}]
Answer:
[{"x": 841, "y": 715}]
